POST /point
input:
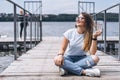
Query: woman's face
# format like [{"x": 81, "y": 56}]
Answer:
[
  {"x": 80, "y": 21},
  {"x": 21, "y": 12}
]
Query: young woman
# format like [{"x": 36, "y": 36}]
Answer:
[
  {"x": 21, "y": 18},
  {"x": 79, "y": 42}
]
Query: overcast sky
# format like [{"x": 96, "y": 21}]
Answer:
[{"x": 59, "y": 6}]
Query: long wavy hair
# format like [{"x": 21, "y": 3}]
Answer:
[{"x": 89, "y": 23}]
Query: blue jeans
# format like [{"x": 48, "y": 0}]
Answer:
[{"x": 75, "y": 64}]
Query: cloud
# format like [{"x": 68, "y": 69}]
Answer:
[
  {"x": 61, "y": 6},
  {"x": 58, "y": 6}
]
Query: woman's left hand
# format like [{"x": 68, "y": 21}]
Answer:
[{"x": 97, "y": 33}]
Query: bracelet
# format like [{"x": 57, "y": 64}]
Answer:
[
  {"x": 94, "y": 39},
  {"x": 60, "y": 54}
]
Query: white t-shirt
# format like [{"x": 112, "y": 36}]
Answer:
[{"x": 76, "y": 41}]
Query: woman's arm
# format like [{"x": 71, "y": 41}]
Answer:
[
  {"x": 93, "y": 47},
  {"x": 59, "y": 58},
  {"x": 63, "y": 46}
]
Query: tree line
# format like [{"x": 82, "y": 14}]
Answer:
[{"x": 110, "y": 17}]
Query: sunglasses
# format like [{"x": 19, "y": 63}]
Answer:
[{"x": 79, "y": 18}]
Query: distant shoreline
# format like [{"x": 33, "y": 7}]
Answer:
[{"x": 110, "y": 17}]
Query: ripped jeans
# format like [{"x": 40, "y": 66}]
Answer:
[{"x": 75, "y": 64}]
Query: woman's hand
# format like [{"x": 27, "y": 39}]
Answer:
[
  {"x": 97, "y": 33},
  {"x": 58, "y": 60}
]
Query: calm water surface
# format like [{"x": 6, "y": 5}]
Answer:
[{"x": 54, "y": 28}]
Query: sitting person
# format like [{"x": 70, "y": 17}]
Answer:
[{"x": 79, "y": 41}]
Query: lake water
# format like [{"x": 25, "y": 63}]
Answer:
[{"x": 55, "y": 28}]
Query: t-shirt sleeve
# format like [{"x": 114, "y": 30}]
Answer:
[{"x": 67, "y": 34}]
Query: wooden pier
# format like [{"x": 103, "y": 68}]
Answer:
[
  {"x": 10, "y": 40},
  {"x": 7, "y": 43},
  {"x": 37, "y": 64}
]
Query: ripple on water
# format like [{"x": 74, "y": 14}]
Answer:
[{"x": 5, "y": 61}]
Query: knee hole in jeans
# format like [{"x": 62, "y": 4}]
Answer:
[
  {"x": 95, "y": 58},
  {"x": 88, "y": 63}
]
